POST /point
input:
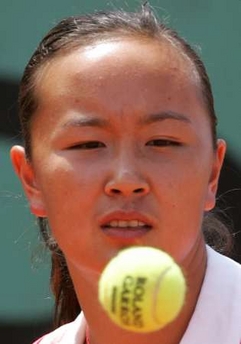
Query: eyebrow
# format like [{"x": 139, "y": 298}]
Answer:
[
  {"x": 86, "y": 121},
  {"x": 91, "y": 121},
  {"x": 162, "y": 116}
]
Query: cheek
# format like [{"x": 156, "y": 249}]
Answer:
[
  {"x": 184, "y": 175},
  {"x": 68, "y": 192},
  {"x": 181, "y": 188},
  {"x": 181, "y": 204},
  {"x": 61, "y": 178}
]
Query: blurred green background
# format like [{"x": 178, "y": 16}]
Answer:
[{"x": 213, "y": 26}]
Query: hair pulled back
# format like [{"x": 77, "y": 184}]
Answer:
[{"x": 72, "y": 33}]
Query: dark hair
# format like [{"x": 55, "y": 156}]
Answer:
[{"x": 68, "y": 35}]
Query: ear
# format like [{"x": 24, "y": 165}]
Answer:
[
  {"x": 218, "y": 158},
  {"x": 25, "y": 172}
]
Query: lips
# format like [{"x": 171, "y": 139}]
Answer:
[{"x": 125, "y": 225}]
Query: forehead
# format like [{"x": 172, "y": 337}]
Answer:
[
  {"x": 121, "y": 76},
  {"x": 119, "y": 81},
  {"x": 116, "y": 60}
]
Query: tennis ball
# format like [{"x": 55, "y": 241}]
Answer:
[{"x": 142, "y": 289}]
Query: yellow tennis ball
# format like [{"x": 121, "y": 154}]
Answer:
[{"x": 142, "y": 289}]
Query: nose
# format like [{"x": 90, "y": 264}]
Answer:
[{"x": 126, "y": 183}]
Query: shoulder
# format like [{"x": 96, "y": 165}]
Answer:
[
  {"x": 222, "y": 266},
  {"x": 217, "y": 315},
  {"x": 70, "y": 333},
  {"x": 55, "y": 336},
  {"x": 222, "y": 283}
]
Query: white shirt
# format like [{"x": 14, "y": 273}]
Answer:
[
  {"x": 216, "y": 319},
  {"x": 217, "y": 316}
]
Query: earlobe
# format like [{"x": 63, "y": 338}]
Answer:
[
  {"x": 219, "y": 155},
  {"x": 25, "y": 172}
]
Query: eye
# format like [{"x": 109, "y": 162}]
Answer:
[
  {"x": 163, "y": 143},
  {"x": 88, "y": 145}
]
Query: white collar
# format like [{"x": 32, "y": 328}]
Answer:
[{"x": 217, "y": 317}]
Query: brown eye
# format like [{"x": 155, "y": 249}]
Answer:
[
  {"x": 88, "y": 145},
  {"x": 162, "y": 143}
]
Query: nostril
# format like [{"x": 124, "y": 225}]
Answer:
[
  {"x": 139, "y": 190},
  {"x": 126, "y": 189},
  {"x": 115, "y": 191}
]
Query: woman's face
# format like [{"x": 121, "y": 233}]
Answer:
[{"x": 122, "y": 151}]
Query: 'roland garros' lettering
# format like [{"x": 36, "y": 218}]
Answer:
[
  {"x": 131, "y": 301},
  {"x": 125, "y": 300}
]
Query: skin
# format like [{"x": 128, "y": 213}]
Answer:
[{"x": 140, "y": 103}]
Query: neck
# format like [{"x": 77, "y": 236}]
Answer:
[{"x": 102, "y": 331}]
